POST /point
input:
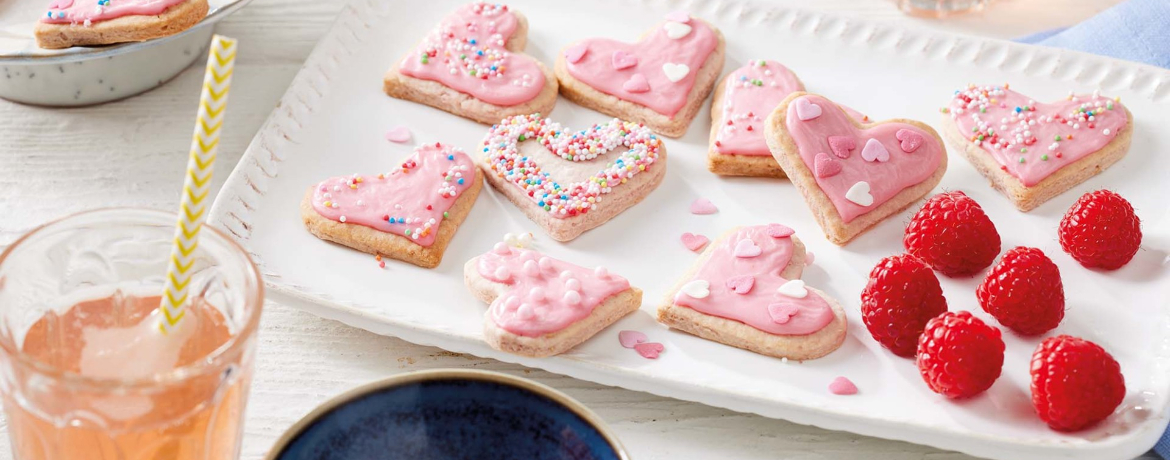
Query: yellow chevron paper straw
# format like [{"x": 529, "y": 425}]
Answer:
[{"x": 217, "y": 80}]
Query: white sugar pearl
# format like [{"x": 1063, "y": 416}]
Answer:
[
  {"x": 511, "y": 303},
  {"x": 573, "y": 285},
  {"x": 502, "y": 248},
  {"x": 601, "y": 272},
  {"x": 524, "y": 311},
  {"x": 502, "y": 273},
  {"x": 572, "y": 298},
  {"x": 1105, "y": 131},
  {"x": 342, "y": 219},
  {"x": 531, "y": 269},
  {"x": 536, "y": 294},
  {"x": 510, "y": 239},
  {"x": 545, "y": 263},
  {"x": 566, "y": 275},
  {"x": 524, "y": 239}
]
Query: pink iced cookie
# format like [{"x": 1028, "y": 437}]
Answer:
[
  {"x": 1032, "y": 151},
  {"x": 853, "y": 175},
  {"x": 541, "y": 306},
  {"x": 745, "y": 291},
  {"x": 69, "y": 23}
]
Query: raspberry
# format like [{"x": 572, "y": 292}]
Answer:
[
  {"x": 952, "y": 234},
  {"x": 1024, "y": 292},
  {"x": 1101, "y": 230},
  {"x": 959, "y": 355},
  {"x": 1075, "y": 383},
  {"x": 902, "y": 295}
]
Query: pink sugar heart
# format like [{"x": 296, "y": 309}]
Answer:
[
  {"x": 649, "y": 350},
  {"x": 875, "y": 151},
  {"x": 741, "y": 284},
  {"x": 781, "y": 313},
  {"x": 842, "y": 386},
  {"x": 747, "y": 248},
  {"x": 398, "y": 134},
  {"x": 842, "y": 146},
  {"x": 60, "y": 4},
  {"x": 825, "y": 166},
  {"x": 809, "y": 257},
  {"x": 703, "y": 206},
  {"x": 910, "y": 140},
  {"x": 806, "y": 110},
  {"x": 636, "y": 84},
  {"x": 779, "y": 231},
  {"x": 694, "y": 242},
  {"x": 630, "y": 339},
  {"x": 679, "y": 16},
  {"x": 623, "y": 60},
  {"x": 574, "y": 53}
]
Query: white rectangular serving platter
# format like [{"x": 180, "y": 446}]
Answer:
[{"x": 332, "y": 121}]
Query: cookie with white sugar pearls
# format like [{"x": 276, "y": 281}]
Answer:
[
  {"x": 660, "y": 81},
  {"x": 570, "y": 182},
  {"x": 410, "y": 213},
  {"x": 1032, "y": 151},
  {"x": 473, "y": 65},
  {"x": 70, "y": 23},
  {"x": 541, "y": 306}
]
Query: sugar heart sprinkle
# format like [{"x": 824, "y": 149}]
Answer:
[
  {"x": 694, "y": 242},
  {"x": 629, "y": 339},
  {"x": 703, "y": 206},
  {"x": 649, "y": 350}
]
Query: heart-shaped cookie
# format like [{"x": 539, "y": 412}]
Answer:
[
  {"x": 1034, "y": 151},
  {"x": 409, "y": 213},
  {"x": 570, "y": 182},
  {"x": 660, "y": 81},
  {"x": 756, "y": 303},
  {"x": 850, "y": 191},
  {"x": 542, "y": 306},
  {"x": 472, "y": 65}
]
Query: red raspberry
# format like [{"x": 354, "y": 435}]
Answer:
[
  {"x": 1024, "y": 292},
  {"x": 952, "y": 234},
  {"x": 959, "y": 355},
  {"x": 1075, "y": 383},
  {"x": 1101, "y": 230},
  {"x": 902, "y": 295}
]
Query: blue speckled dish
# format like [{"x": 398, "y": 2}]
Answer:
[{"x": 449, "y": 415}]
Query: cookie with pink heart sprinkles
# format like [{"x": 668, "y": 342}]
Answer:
[
  {"x": 660, "y": 81},
  {"x": 745, "y": 291},
  {"x": 570, "y": 182},
  {"x": 542, "y": 306},
  {"x": 852, "y": 174},
  {"x": 1033, "y": 151},
  {"x": 410, "y": 213},
  {"x": 472, "y": 64}
]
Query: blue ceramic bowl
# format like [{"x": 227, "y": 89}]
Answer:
[{"x": 448, "y": 415}]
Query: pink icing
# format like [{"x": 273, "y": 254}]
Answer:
[
  {"x": 811, "y": 313},
  {"x": 1031, "y": 140},
  {"x": 884, "y": 178},
  {"x": 546, "y": 295},
  {"x": 654, "y": 51},
  {"x": 79, "y": 11},
  {"x": 416, "y": 196},
  {"x": 467, "y": 52}
]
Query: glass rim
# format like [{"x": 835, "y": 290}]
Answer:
[{"x": 202, "y": 366}]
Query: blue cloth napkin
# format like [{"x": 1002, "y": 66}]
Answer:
[{"x": 1136, "y": 30}]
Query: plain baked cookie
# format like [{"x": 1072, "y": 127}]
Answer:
[
  {"x": 84, "y": 23},
  {"x": 853, "y": 175},
  {"x": 409, "y": 214},
  {"x": 1032, "y": 152},
  {"x": 473, "y": 65},
  {"x": 540, "y": 306},
  {"x": 569, "y": 183},
  {"x": 745, "y": 291},
  {"x": 660, "y": 81}
]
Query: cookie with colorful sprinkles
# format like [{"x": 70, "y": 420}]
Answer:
[
  {"x": 745, "y": 291},
  {"x": 409, "y": 214},
  {"x": 541, "y": 306},
  {"x": 570, "y": 182},
  {"x": 1030, "y": 151},
  {"x": 473, "y": 65},
  {"x": 102, "y": 22},
  {"x": 660, "y": 81}
]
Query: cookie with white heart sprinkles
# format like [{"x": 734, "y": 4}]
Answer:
[
  {"x": 660, "y": 81},
  {"x": 745, "y": 291},
  {"x": 409, "y": 213},
  {"x": 473, "y": 65},
  {"x": 570, "y": 182},
  {"x": 852, "y": 174},
  {"x": 541, "y": 306},
  {"x": 1033, "y": 151}
]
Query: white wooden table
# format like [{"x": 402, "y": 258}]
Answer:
[{"x": 132, "y": 153}]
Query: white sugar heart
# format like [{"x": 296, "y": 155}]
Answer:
[
  {"x": 675, "y": 72},
  {"x": 875, "y": 151},
  {"x": 859, "y": 193},
  {"x": 794, "y": 289},
  {"x": 747, "y": 248},
  {"x": 806, "y": 110},
  {"x": 676, "y": 30},
  {"x": 698, "y": 289}
]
